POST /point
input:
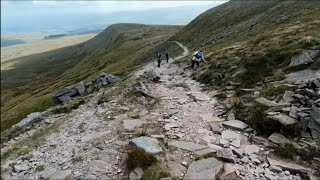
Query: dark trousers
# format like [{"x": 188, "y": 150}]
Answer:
[
  {"x": 167, "y": 58},
  {"x": 159, "y": 62},
  {"x": 195, "y": 62}
]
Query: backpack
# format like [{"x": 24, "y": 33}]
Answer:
[{"x": 199, "y": 55}]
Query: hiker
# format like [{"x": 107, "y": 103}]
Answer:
[
  {"x": 167, "y": 57},
  {"x": 196, "y": 58},
  {"x": 159, "y": 59}
]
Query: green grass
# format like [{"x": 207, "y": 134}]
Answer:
[{"x": 29, "y": 86}]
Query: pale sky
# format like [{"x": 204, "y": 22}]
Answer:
[{"x": 42, "y": 15}]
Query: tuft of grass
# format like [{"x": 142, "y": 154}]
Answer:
[
  {"x": 139, "y": 158},
  {"x": 274, "y": 90},
  {"x": 155, "y": 172},
  {"x": 77, "y": 159},
  {"x": 134, "y": 115}
]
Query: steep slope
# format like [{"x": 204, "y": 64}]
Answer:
[
  {"x": 260, "y": 36},
  {"x": 120, "y": 48}
]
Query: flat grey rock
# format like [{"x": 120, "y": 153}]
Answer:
[
  {"x": 300, "y": 59},
  {"x": 293, "y": 112},
  {"x": 210, "y": 118},
  {"x": 136, "y": 174},
  {"x": 251, "y": 149},
  {"x": 187, "y": 145},
  {"x": 226, "y": 154},
  {"x": 67, "y": 174},
  {"x": 197, "y": 96},
  {"x": 204, "y": 169},
  {"x": 287, "y": 96},
  {"x": 284, "y": 119},
  {"x": 150, "y": 145},
  {"x": 215, "y": 128},
  {"x": 269, "y": 103},
  {"x": 304, "y": 75},
  {"x": 176, "y": 169},
  {"x": 21, "y": 167},
  {"x": 231, "y": 117},
  {"x": 205, "y": 152},
  {"x": 294, "y": 168},
  {"x": 230, "y": 135},
  {"x": 235, "y": 124},
  {"x": 131, "y": 125},
  {"x": 278, "y": 138}
]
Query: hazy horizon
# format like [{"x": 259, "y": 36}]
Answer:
[{"x": 50, "y": 17}]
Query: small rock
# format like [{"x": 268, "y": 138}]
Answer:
[
  {"x": 223, "y": 142},
  {"x": 184, "y": 163},
  {"x": 236, "y": 143},
  {"x": 238, "y": 152},
  {"x": 226, "y": 154},
  {"x": 250, "y": 149},
  {"x": 131, "y": 125},
  {"x": 230, "y": 135},
  {"x": 231, "y": 117},
  {"x": 245, "y": 159},
  {"x": 21, "y": 167},
  {"x": 275, "y": 169},
  {"x": 215, "y": 128},
  {"x": 293, "y": 112},
  {"x": 287, "y": 173},
  {"x": 136, "y": 174},
  {"x": 235, "y": 124},
  {"x": 205, "y": 152},
  {"x": 278, "y": 138},
  {"x": 150, "y": 145}
]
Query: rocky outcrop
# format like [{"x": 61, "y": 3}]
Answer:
[
  {"x": 81, "y": 89},
  {"x": 151, "y": 76},
  {"x": 303, "y": 58},
  {"x": 30, "y": 119}
]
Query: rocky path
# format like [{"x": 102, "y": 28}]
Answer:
[{"x": 203, "y": 141}]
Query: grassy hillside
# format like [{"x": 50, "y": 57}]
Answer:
[
  {"x": 118, "y": 50},
  {"x": 268, "y": 32}
]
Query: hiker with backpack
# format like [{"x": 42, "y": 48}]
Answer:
[
  {"x": 159, "y": 59},
  {"x": 167, "y": 57},
  {"x": 196, "y": 58}
]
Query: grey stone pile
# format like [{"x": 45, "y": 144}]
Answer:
[{"x": 81, "y": 89}]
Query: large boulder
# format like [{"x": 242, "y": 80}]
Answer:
[
  {"x": 300, "y": 59},
  {"x": 283, "y": 119},
  {"x": 235, "y": 124},
  {"x": 204, "y": 169},
  {"x": 64, "y": 95},
  {"x": 80, "y": 87}
]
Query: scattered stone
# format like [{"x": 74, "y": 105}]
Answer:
[
  {"x": 230, "y": 135},
  {"x": 150, "y": 145},
  {"x": 172, "y": 112},
  {"x": 235, "y": 124},
  {"x": 204, "y": 169},
  {"x": 131, "y": 125},
  {"x": 270, "y": 177},
  {"x": 251, "y": 149},
  {"x": 48, "y": 172},
  {"x": 259, "y": 140},
  {"x": 187, "y": 145},
  {"x": 136, "y": 173},
  {"x": 66, "y": 175},
  {"x": 176, "y": 169},
  {"x": 284, "y": 119},
  {"x": 226, "y": 154},
  {"x": 197, "y": 96},
  {"x": 236, "y": 143},
  {"x": 278, "y": 138}
]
